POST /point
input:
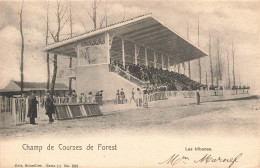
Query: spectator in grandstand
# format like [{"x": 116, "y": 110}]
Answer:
[
  {"x": 116, "y": 68},
  {"x": 49, "y": 107},
  {"x": 99, "y": 93},
  {"x": 85, "y": 97},
  {"x": 74, "y": 97},
  {"x": 90, "y": 98},
  {"x": 80, "y": 98},
  {"x": 198, "y": 96},
  {"x": 74, "y": 94},
  {"x": 132, "y": 95},
  {"x": 160, "y": 77},
  {"x": 128, "y": 73},
  {"x": 99, "y": 97},
  {"x": 32, "y": 110}
]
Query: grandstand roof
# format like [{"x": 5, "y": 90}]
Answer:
[{"x": 143, "y": 30}]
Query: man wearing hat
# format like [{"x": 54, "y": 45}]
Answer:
[
  {"x": 49, "y": 107},
  {"x": 32, "y": 110}
]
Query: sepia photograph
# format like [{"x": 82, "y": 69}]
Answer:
[{"x": 128, "y": 83}]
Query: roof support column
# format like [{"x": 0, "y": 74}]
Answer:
[
  {"x": 184, "y": 67},
  {"x": 162, "y": 61},
  {"x": 178, "y": 67},
  {"x": 108, "y": 48},
  {"x": 136, "y": 55},
  {"x": 199, "y": 68},
  {"x": 168, "y": 63},
  {"x": 77, "y": 50},
  {"x": 123, "y": 53},
  {"x": 154, "y": 59},
  {"x": 189, "y": 69},
  {"x": 145, "y": 55}
]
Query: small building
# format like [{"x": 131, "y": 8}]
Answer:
[{"x": 14, "y": 88}]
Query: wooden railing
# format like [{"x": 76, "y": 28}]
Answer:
[{"x": 127, "y": 76}]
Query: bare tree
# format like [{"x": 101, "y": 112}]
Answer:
[
  {"x": 61, "y": 21},
  {"x": 210, "y": 60},
  {"x": 233, "y": 57},
  {"x": 228, "y": 69},
  {"x": 188, "y": 39},
  {"x": 70, "y": 65},
  {"x": 206, "y": 78},
  {"x": 199, "y": 45},
  {"x": 216, "y": 73},
  {"x": 93, "y": 16},
  {"x": 46, "y": 41},
  {"x": 206, "y": 74},
  {"x": 106, "y": 15},
  {"x": 22, "y": 47},
  {"x": 217, "y": 63}
]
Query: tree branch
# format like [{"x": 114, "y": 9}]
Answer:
[
  {"x": 98, "y": 3},
  {"x": 101, "y": 22},
  {"x": 90, "y": 15},
  {"x": 62, "y": 14},
  {"x": 54, "y": 37},
  {"x": 64, "y": 23}
]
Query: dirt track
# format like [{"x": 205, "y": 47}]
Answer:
[{"x": 232, "y": 117}]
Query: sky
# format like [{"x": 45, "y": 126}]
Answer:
[{"x": 236, "y": 21}]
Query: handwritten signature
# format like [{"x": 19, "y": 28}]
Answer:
[{"x": 178, "y": 159}]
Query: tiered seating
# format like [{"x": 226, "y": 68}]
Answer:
[{"x": 159, "y": 77}]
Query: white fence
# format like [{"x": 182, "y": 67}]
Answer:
[
  {"x": 13, "y": 111},
  {"x": 191, "y": 94}
]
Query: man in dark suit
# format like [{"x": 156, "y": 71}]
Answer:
[
  {"x": 32, "y": 110},
  {"x": 49, "y": 107}
]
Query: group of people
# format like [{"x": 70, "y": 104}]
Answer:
[
  {"x": 136, "y": 97},
  {"x": 159, "y": 77},
  {"x": 32, "y": 107},
  {"x": 120, "y": 97},
  {"x": 85, "y": 98},
  {"x": 48, "y": 103}
]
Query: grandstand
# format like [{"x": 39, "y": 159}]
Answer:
[{"x": 139, "y": 52}]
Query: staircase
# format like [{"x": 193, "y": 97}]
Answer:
[{"x": 127, "y": 76}]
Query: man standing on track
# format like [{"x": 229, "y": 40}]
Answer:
[
  {"x": 32, "y": 110},
  {"x": 132, "y": 95},
  {"x": 49, "y": 107}
]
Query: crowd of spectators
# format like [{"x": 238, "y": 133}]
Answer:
[
  {"x": 86, "y": 97},
  {"x": 158, "y": 78}
]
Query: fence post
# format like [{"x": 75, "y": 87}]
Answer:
[
  {"x": 14, "y": 110},
  {"x": 26, "y": 110}
]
